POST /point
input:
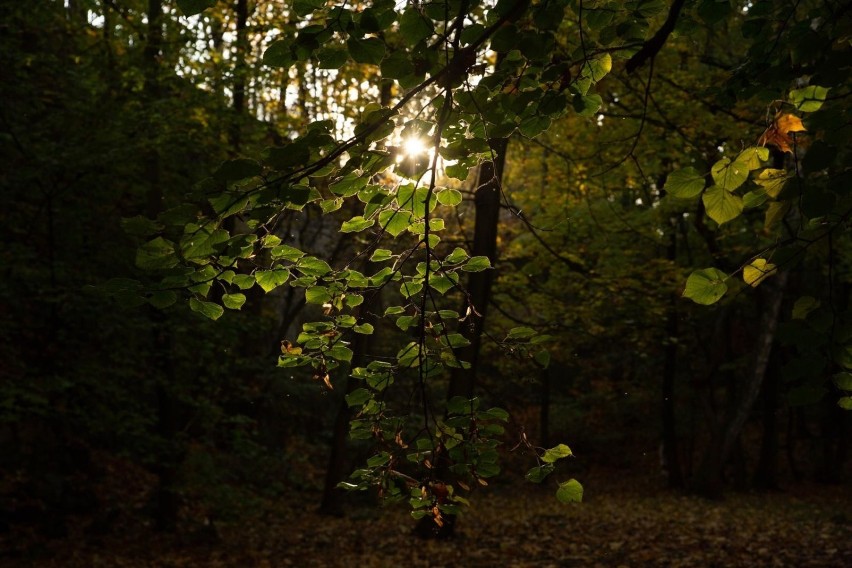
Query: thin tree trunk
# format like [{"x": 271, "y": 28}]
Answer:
[
  {"x": 240, "y": 72},
  {"x": 167, "y": 501},
  {"x": 766, "y": 474},
  {"x": 671, "y": 455},
  {"x": 544, "y": 415},
  {"x": 708, "y": 481}
]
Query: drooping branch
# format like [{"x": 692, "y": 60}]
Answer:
[{"x": 653, "y": 46}]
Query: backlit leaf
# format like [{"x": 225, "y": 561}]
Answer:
[
  {"x": 758, "y": 271},
  {"x": 721, "y": 205},
  {"x": 685, "y": 183},
  {"x": 570, "y": 492},
  {"x": 207, "y": 309},
  {"x": 706, "y": 286}
]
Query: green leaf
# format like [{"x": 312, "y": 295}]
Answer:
[
  {"x": 203, "y": 242},
  {"x": 458, "y": 255},
  {"x": 775, "y": 212},
  {"x": 317, "y": 295},
  {"x": 449, "y": 197},
  {"x": 271, "y": 279},
  {"x": 369, "y": 50},
  {"x": 394, "y": 222},
  {"x": 413, "y": 27},
  {"x": 772, "y": 181},
  {"x": 358, "y": 397},
  {"x": 706, "y": 286},
  {"x": 729, "y": 175},
  {"x": 340, "y": 353},
  {"x": 443, "y": 283},
  {"x": 845, "y": 403},
  {"x": 207, "y": 309},
  {"x": 753, "y": 157},
  {"x": 556, "y": 453},
  {"x": 234, "y": 301},
  {"x": 397, "y": 66},
  {"x": 286, "y": 252},
  {"x": 477, "y": 264},
  {"x": 243, "y": 281},
  {"x": 192, "y": 7},
  {"x": 156, "y": 254},
  {"x": 534, "y": 125},
  {"x": 456, "y": 340},
  {"x": 332, "y": 58},
  {"x": 804, "y": 306},
  {"x": 408, "y": 289},
  {"x": 363, "y": 328},
  {"x": 408, "y": 356},
  {"x": 721, "y": 205},
  {"x": 381, "y": 255},
  {"x": 587, "y": 105},
  {"x": 520, "y": 333},
  {"x": 278, "y": 54},
  {"x": 570, "y": 492},
  {"x": 540, "y": 473},
  {"x": 542, "y": 358},
  {"x": 140, "y": 226},
  {"x": 356, "y": 224},
  {"x": 312, "y": 266},
  {"x": 598, "y": 67},
  {"x": 685, "y": 183},
  {"x": 843, "y": 381},
  {"x": 808, "y": 99}
]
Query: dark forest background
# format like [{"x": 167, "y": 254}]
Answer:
[{"x": 118, "y": 416}]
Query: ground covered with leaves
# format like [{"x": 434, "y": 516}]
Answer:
[{"x": 623, "y": 521}]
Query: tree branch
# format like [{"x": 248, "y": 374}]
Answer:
[{"x": 653, "y": 46}]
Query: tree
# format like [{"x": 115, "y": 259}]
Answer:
[{"x": 462, "y": 103}]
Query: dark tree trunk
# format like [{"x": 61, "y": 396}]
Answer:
[
  {"x": 332, "y": 497},
  {"x": 766, "y": 473},
  {"x": 670, "y": 453},
  {"x": 708, "y": 480},
  {"x": 166, "y": 500},
  {"x": 487, "y": 203},
  {"x": 240, "y": 74},
  {"x": 544, "y": 414}
]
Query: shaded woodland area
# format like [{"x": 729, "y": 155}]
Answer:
[{"x": 605, "y": 320}]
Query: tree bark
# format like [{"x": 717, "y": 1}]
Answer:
[
  {"x": 332, "y": 497},
  {"x": 240, "y": 73},
  {"x": 487, "y": 205},
  {"x": 670, "y": 453},
  {"x": 708, "y": 481},
  {"x": 766, "y": 473}
]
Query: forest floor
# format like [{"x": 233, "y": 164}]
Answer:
[{"x": 622, "y": 522}]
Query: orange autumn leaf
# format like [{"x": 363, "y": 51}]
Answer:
[{"x": 778, "y": 134}]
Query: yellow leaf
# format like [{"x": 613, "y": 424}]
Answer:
[
  {"x": 758, "y": 271},
  {"x": 787, "y": 123},
  {"x": 779, "y": 133},
  {"x": 772, "y": 181}
]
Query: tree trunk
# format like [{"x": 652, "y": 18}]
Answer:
[
  {"x": 166, "y": 500},
  {"x": 332, "y": 497},
  {"x": 708, "y": 480},
  {"x": 766, "y": 474},
  {"x": 487, "y": 204},
  {"x": 670, "y": 453},
  {"x": 240, "y": 72}
]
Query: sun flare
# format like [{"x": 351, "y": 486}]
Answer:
[{"x": 413, "y": 146}]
